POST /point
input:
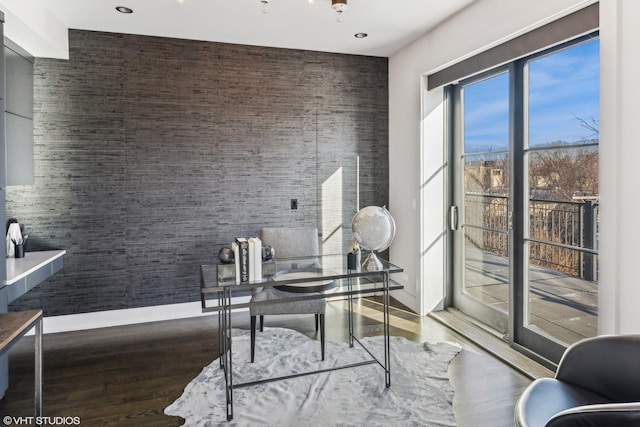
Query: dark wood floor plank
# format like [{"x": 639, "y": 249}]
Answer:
[{"x": 127, "y": 375}]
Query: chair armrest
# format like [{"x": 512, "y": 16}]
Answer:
[{"x": 608, "y": 414}]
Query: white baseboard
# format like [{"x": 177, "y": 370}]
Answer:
[{"x": 129, "y": 316}]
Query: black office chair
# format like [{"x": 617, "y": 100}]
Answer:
[{"x": 597, "y": 384}]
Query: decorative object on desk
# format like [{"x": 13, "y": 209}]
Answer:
[
  {"x": 226, "y": 256},
  {"x": 14, "y": 237},
  {"x": 19, "y": 250},
  {"x": 11, "y": 221},
  {"x": 268, "y": 253},
  {"x": 243, "y": 258},
  {"x": 255, "y": 259},
  {"x": 248, "y": 255},
  {"x": 353, "y": 256},
  {"x": 373, "y": 228},
  {"x": 305, "y": 287},
  {"x": 355, "y": 396},
  {"x": 236, "y": 257}
]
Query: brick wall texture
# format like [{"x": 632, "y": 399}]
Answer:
[{"x": 153, "y": 153}]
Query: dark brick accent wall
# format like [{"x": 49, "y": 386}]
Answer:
[{"x": 152, "y": 153}]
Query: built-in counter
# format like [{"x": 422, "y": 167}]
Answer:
[{"x": 23, "y": 274}]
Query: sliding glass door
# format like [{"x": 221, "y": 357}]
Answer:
[
  {"x": 524, "y": 216},
  {"x": 561, "y": 188},
  {"x": 480, "y": 215}
]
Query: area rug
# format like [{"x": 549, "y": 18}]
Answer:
[{"x": 420, "y": 392}]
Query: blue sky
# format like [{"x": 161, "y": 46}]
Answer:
[{"x": 562, "y": 86}]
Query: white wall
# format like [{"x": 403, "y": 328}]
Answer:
[
  {"x": 37, "y": 31},
  {"x": 416, "y": 124},
  {"x": 619, "y": 167}
]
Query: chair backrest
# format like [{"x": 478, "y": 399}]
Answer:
[
  {"x": 291, "y": 241},
  {"x": 606, "y": 364}
]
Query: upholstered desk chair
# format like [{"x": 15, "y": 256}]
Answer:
[
  {"x": 597, "y": 383},
  {"x": 288, "y": 242}
]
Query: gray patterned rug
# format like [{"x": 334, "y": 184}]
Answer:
[{"x": 420, "y": 393}]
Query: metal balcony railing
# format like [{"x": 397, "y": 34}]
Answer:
[{"x": 563, "y": 235}]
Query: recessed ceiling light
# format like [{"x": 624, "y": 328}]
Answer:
[
  {"x": 360, "y": 35},
  {"x": 124, "y": 9}
]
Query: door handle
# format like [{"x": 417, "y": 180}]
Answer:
[{"x": 453, "y": 217}]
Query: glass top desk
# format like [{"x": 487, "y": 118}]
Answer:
[{"x": 309, "y": 278}]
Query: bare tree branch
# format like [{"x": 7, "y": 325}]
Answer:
[{"x": 593, "y": 126}]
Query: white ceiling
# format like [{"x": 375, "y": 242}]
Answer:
[{"x": 295, "y": 24}]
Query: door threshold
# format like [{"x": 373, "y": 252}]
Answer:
[{"x": 492, "y": 342}]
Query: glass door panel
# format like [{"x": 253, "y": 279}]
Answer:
[
  {"x": 562, "y": 164},
  {"x": 482, "y": 198},
  {"x": 486, "y": 206}
]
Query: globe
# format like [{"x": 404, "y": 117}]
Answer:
[{"x": 373, "y": 228}]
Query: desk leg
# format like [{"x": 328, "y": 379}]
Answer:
[
  {"x": 220, "y": 331},
  {"x": 38, "y": 368},
  {"x": 350, "y": 304},
  {"x": 227, "y": 350},
  {"x": 387, "y": 341}
]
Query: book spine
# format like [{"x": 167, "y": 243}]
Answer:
[
  {"x": 258, "y": 259},
  {"x": 255, "y": 259},
  {"x": 243, "y": 247},
  {"x": 236, "y": 258},
  {"x": 252, "y": 270}
]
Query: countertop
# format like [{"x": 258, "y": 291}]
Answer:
[{"x": 18, "y": 268}]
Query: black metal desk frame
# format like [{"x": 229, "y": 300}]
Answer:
[{"x": 220, "y": 290}]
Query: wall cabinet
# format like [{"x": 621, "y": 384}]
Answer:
[
  {"x": 18, "y": 115},
  {"x": 19, "y": 149}
]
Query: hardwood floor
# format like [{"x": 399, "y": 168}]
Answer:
[{"x": 126, "y": 376}]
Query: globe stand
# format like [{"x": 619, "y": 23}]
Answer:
[{"x": 372, "y": 263}]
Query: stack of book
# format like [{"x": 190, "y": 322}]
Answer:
[{"x": 248, "y": 258}]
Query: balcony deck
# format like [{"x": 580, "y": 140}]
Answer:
[{"x": 561, "y": 306}]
